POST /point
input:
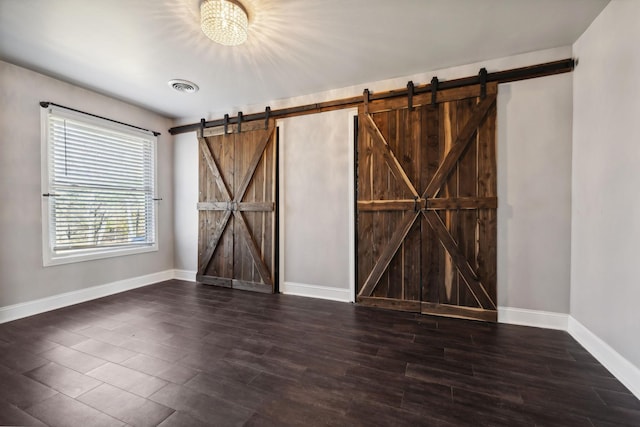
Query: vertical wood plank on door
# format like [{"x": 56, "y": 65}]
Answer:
[
  {"x": 241, "y": 255},
  {"x": 380, "y": 229},
  {"x": 487, "y": 187},
  {"x": 365, "y": 192},
  {"x": 432, "y": 251},
  {"x": 467, "y": 187},
  {"x": 412, "y": 244},
  {"x": 268, "y": 194},
  {"x": 392, "y": 190},
  {"x": 254, "y": 194},
  {"x": 449, "y": 285},
  {"x": 226, "y": 147},
  {"x": 204, "y": 217}
]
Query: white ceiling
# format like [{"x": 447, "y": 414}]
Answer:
[{"x": 130, "y": 49}]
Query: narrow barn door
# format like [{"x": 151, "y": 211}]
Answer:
[
  {"x": 426, "y": 210},
  {"x": 237, "y": 217}
]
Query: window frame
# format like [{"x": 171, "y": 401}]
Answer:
[{"x": 50, "y": 257}]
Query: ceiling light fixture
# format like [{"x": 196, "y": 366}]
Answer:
[{"x": 224, "y": 21}]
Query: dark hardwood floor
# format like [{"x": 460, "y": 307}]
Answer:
[{"x": 179, "y": 354}]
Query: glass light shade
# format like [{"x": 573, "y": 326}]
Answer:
[{"x": 224, "y": 21}]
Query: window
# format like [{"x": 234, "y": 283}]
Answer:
[{"x": 98, "y": 185}]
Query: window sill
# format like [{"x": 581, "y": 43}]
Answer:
[{"x": 50, "y": 259}]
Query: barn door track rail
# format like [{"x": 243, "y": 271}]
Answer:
[{"x": 482, "y": 78}]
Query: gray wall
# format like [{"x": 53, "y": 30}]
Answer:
[
  {"x": 22, "y": 276},
  {"x": 316, "y": 182},
  {"x": 534, "y": 193},
  {"x": 606, "y": 175},
  {"x": 185, "y": 160}
]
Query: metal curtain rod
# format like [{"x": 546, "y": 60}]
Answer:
[
  {"x": 45, "y": 104},
  {"x": 512, "y": 75}
]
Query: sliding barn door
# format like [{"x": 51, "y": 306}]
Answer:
[
  {"x": 237, "y": 216},
  {"x": 426, "y": 204}
]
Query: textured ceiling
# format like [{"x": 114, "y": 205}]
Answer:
[{"x": 130, "y": 49}]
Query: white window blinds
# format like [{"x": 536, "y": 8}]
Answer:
[{"x": 101, "y": 184}]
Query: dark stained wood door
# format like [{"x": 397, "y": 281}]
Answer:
[
  {"x": 237, "y": 209},
  {"x": 426, "y": 204}
]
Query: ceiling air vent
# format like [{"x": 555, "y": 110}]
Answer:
[{"x": 183, "y": 86}]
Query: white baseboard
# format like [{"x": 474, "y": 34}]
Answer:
[
  {"x": 537, "y": 318},
  {"x": 620, "y": 367},
  {"x": 184, "y": 275},
  {"x": 30, "y": 308},
  {"x": 315, "y": 291}
]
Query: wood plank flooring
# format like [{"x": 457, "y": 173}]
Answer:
[{"x": 181, "y": 354}]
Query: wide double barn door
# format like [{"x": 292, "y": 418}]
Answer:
[
  {"x": 426, "y": 203},
  {"x": 237, "y": 216}
]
